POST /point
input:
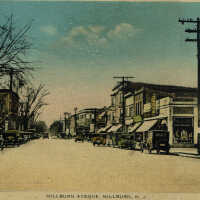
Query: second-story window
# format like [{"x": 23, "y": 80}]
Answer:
[
  {"x": 131, "y": 111},
  {"x": 120, "y": 98},
  {"x": 112, "y": 100},
  {"x": 127, "y": 112}
]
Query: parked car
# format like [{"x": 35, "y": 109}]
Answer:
[
  {"x": 27, "y": 136},
  {"x": 33, "y": 134},
  {"x": 46, "y": 135},
  {"x": 99, "y": 139},
  {"x": 54, "y": 137},
  {"x": 156, "y": 140},
  {"x": 126, "y": 141},
  {"x": 12, "y": 137},
  {"x": 79, "y": 138}
]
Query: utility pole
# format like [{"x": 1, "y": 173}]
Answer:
[
  {"x": 95, "y": 120},
  {"x": 67, "y": 122},
  {"x": 75, "y": 120},
  {"x": 197, "y": 40},
  {"x": 65, "y": 114},
  {"x": 124, "y": 79}
]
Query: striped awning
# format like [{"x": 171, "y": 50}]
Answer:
[
  {"x": 134, "y": 127},
  {"x": 146, "y": 125},
  {"x": 114, "y": 128},
  {"x": 100, "y": 130},
  {"x": 104, "y": 129},
  {"x": 102, "y": 114}
]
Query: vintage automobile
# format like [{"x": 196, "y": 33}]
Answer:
[
  {"x": 79, "y": 138},
  {"x": 54, "y": 137},
  {"x": 27, "y": 136},
  {"x": 62, "y": 135},
  {"x": 156, "y": 140},
  {"x": 126, "y": 141},
  {"x": 45, "y": 135},
  {"x": 99, "y": 139},
  {"x": 12, "y": 137},
  {"x": 33, "y": 134},
  {"x": 20, "y": 138}
]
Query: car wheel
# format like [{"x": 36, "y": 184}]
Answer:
[
  {"x": 149, "y": 150},
  {"x": 158, "y": 151},
  {"x": 167, "y": 151}
]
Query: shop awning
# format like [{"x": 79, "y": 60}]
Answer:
[
  {"x": 104, "y": 129},
  {"x": 102, "y": 114},
  {"x": 100, "y": 130},
  {"x": 146, "y": 125},
  {"x": 134, "y": 127},
  {"x": 107, "y": 127},
  {"x": 129, "y": 122},
  {"x": 114, "y": 128},
  {"x": 164, "y": 121}
]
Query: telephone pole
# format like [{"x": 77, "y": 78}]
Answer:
[
  {"x": 123, "y": 80},
  {"x": 196, "y": 30}
]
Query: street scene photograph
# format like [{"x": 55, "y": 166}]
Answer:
[{"x": 100, "y": 99}]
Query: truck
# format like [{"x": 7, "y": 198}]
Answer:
[{"x": 155, "y": 140}]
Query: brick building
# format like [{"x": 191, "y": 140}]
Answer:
[{"x": 150, "y": 106}]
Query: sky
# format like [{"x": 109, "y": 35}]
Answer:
[{"x": 79, "y": 46}]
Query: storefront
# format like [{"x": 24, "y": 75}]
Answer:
[
  {"x": 115, "y": 128},
  {"x": 104, "y": 129},
  {"x": 183, "y": 130}
]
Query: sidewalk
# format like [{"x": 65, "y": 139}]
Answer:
[{"x": 185, "y": 152}]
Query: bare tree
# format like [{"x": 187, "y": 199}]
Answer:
[
  {"x": 14, "y": 45},
  {"x": 33, "y": 100}
]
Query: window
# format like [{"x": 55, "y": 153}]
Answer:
[
  {"x": 112, "y": 100},
  {"x": 131, "y": 111},
  {"x": 127, "y": 112}
]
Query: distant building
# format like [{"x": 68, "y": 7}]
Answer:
[
  {"x": 72, "y": 126},
  {"x": 115, "y": 110},
  {"x": 89, "y": 120},
  {"x": 9, "y": 104}
]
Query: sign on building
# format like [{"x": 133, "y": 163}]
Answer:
[{"x": 153, "y": 104}]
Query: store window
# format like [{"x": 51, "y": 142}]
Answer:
[{"x": 183, "y": 131}]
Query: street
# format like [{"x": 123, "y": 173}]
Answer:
[{"x": 63, "y": 165}]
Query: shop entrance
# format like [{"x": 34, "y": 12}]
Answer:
[{"x": 183, "y": 130}]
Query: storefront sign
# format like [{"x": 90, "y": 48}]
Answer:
[{"x": 153, "y": 104}]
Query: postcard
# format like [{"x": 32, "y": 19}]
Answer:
[{"x": 99, "y": 100}]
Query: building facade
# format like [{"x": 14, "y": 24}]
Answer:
[
  {"x": 147, "y": 106},
  {"x": 89, "y": 120},
  {"x": 9, "y": 104}
]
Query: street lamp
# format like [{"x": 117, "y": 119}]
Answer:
[{"x": 75, "y": 110}]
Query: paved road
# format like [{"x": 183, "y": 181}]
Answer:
[{"x": 63, "y": 165}]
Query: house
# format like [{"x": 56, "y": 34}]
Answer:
[{"x": 9, "y": 104}]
